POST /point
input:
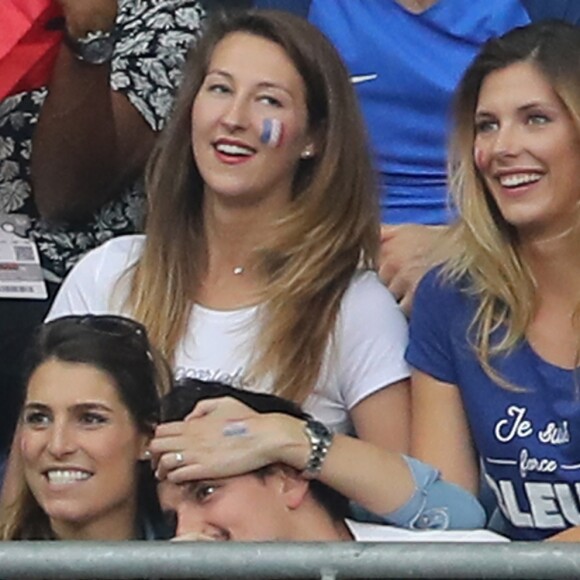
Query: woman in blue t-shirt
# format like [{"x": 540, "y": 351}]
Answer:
[{"x": 494, "y": 331}]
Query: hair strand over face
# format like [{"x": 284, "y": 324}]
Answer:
[
  {"x": 486, "y": 254},
  {"x": 308, "y": 259}
]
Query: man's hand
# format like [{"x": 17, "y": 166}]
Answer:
[{"x": 407, "y": 251}]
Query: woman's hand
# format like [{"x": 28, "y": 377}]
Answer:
[{"x": 223, "y": 437}]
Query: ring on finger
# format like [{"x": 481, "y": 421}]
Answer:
[{"x": 179, "y": 457}]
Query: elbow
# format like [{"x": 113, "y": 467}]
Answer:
[{"x": 59, "y": 199}]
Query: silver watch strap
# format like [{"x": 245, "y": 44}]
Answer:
[{"x": 320, "y": 438}]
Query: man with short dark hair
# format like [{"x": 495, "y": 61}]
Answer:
[{"x": 275, "y": 502}]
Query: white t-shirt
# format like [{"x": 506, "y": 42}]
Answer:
[
  {"x": 363, "y": 532},
  {"x": 366, "y": 355}
]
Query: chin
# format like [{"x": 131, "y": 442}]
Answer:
[
  {"x": 69, "y": 514},
  {"x": 232, "y": 192}
]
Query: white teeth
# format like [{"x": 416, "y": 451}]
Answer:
[
  {"x": 229, "y": 149},
  {"x": 64, "y": 476},
  {"x": 519, "y": 179}
]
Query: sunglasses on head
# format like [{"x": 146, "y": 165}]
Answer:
[{"x": 111, "y": 325}]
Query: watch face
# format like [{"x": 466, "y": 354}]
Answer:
[
  {"x": 95, "y": 48},
  {"x": 318, "y": 429},
  {"x": 99, "y": 50}
]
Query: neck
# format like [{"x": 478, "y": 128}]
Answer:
[
  {"x": 119, "y": 525},
  {"x": 553, "y": 260},
  {"x": 416, "y": 6},
  {"x": 234, "y": 233}
]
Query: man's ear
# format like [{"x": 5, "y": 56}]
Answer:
[{"x": 293, "y": 486}]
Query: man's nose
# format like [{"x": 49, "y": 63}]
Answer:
[
  {"x": 192, "y": 522},
  {"x": 189, "y": 519}
]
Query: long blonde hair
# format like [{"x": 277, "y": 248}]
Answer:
[
  {"x": 330, "y": 228},
  {"x": 486, "y": 254}
]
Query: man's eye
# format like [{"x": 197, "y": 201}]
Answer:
[{"x": 205, "y": 492}]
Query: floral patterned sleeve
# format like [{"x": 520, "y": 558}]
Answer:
[{"x": 154, "y": 36}]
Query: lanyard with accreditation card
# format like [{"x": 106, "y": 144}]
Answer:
[{"x": 20, "y": 270}]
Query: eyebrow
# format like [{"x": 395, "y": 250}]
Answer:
[
  {"x": 35, "y": 405},
  {"x": 85, "y": 406},
  {"x": 261, "y": 84},
  {"x": 524, "y": 108},
  {"x": 190, "y": 487}
]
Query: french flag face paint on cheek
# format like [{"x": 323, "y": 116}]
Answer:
[
  {"x": 481, "y": 161},
  {"x": 272, "y": 132}
]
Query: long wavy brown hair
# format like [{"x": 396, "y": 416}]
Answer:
[
  {"x": 486, "y": 251},
  {"x": 329, "y": 230},
  {"x": 139, "y": 375}
]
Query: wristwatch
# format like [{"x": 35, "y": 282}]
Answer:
[
  {"x": 320, "y": 438},
  {"x": 96, "y": 47}
]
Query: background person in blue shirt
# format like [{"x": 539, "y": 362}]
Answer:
[{"x": 405, "y": 58}]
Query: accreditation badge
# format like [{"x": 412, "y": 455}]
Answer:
[{"x": 20, "y": 270}]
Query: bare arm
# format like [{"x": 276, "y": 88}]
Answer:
[
  {"x": 89, "y": 141},
  {"x": 440, "y": 433},
  {"x": 569, "y": 535},
  {"x": 406, "y": 253},
  {"x": 369, "y": 470}
]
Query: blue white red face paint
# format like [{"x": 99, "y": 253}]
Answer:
[
  {"x": 272, "y": 132},
  {"x": 481, "y": 161}
]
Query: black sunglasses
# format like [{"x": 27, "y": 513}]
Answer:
[{"x": 112, "y": 325}]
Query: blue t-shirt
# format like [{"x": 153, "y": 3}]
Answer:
[
  {"x": 529, "y": 441},
  {"x": 405, "y": 68}
]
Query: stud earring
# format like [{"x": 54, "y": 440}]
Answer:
[{"x": 307, "y": 153}]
